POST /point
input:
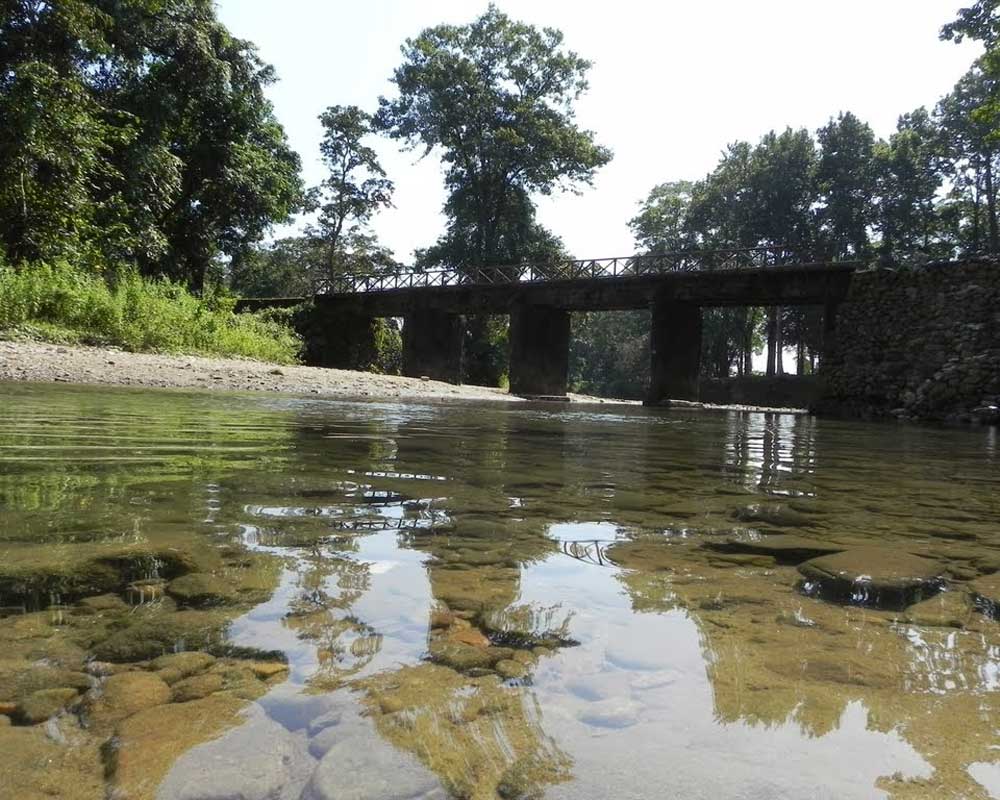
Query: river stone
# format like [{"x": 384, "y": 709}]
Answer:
[
  {"x": 196, "y": 687},
  {"x": 873, "y": 576},
  {"x": 149, "y": 743},
  {"x": 259, "y": 760},
  {"x": 101, "y": 603},
  {"x": 366, "y": 767},
  {"x": 509, "y": 668},
  {"x": 460, "y": 656},
  {"x": 785, "y": 548},
  {"x": 187, "y": 664},
  {"x": 201, "y": 589},
  {"x": 945, "y": 610},
  {"x": 20, "y": 678},
  {"x": 986, "y": 594},
  {"x": 777, "y": 515},
  {"x": 128, "y": 692},
  {"x": 42, "y": 705}
]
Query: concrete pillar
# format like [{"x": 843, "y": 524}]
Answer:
[
  {"x": 338, "y": 338},
  {"x": 829, "y": 334},
  {"x": 432, "y": 345},
  {"x": 675, "y": 349},
  {"x": 539, "y": 350}
]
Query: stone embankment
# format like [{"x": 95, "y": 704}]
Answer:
[{"x": 920, "y": 343}]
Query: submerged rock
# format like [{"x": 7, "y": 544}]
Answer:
[
  {"x": 785, "y": 548},
  {"x": 873, "y": 576},
  {"x": 196, "y": 687},
  {"x": 780, "y": 516},
  {"x": 986, "y": 595},
  {"x": 127, "y": 693},
  {"x": 19, "y": 679},
  {"x": 201, "y": 589},
  {"x": 43, "y": 705},
  {"x": 364, "y": 766},
  {"x": 945, "y": 610}
]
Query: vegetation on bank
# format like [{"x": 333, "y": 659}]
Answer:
[{"x": 57, "y": 302}]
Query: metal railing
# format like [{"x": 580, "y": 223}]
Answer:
[{"x": 585, "y": 269}]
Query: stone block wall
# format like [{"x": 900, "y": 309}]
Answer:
[{"x": 917, "y": 343}]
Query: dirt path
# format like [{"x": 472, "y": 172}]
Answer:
[{"x": 33, "y": 361}]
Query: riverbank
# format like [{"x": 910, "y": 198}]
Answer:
[{"x": 40, "y": 362}]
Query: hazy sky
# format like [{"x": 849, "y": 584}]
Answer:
[{"x": 673, "y": 82}]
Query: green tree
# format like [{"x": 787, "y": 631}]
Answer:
[
  {"x": 138, "y": 132},
  {"x": 661, "y": 226},
  {"x": 357, "y": 187},
  {"x": 908, "y": 180},
  {"x": 496, "y": 99},
  {"x": 846, "y": 185}
]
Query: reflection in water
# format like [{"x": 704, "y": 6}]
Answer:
[{"x": 410, "y": 564}]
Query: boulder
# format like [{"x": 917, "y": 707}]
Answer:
[
  {"x": 187, "y": 664},
  {"x": 873, "y": 576}
]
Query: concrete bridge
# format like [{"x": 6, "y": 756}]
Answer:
[{"x": 540, "y": 299}]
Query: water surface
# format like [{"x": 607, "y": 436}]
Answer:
[{"x": 477, "y": 601}]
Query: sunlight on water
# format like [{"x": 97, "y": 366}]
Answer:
[{"x": 239, "y": 596}]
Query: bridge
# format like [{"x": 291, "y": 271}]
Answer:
[{"x": 540, "y": 298}]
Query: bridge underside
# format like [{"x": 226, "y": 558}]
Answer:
[{"x": 540, "y": 314}]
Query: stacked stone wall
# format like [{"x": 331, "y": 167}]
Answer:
[{"x": 917, "y": 343}]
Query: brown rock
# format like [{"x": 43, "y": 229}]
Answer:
[
  {"x": 44, "y": 704},
  {"x": 127, "y": 693},
  {"x": 197, "y": 687},
  {"x": 874, "y": 576}
]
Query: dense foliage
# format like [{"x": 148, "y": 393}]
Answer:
[{"x": 136, "y": 132}]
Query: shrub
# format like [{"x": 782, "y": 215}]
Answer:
[{"x": 60, "y": 301}]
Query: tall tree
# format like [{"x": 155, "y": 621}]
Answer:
[
  {"x": 356, "y": 188},
  {"x": 846, "y": 183},
  {"x": 496, "y": 98}
]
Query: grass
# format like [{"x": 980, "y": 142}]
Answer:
[{"x": 59, "y": 303}]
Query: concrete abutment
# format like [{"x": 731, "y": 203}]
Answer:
[
  {"x": 675, "y": 351},
  {"x": 432, "y": 345}
]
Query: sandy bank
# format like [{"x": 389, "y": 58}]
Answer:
[{"x": 34, "y": 361}]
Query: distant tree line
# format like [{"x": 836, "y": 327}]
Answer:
[{"x": 927, "y": 192}]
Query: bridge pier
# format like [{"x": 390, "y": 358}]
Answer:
[
  {"x": 675, "y": 351},
  {"x": 338, "y": 338},
  {"x": 539, "y": 350},
  {"x": 432, "y": 345}
]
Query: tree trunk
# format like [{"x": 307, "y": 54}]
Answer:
[
  {"x": 991, "y": 205},
  {"x": 772, "y": 340},
  {"x": 779, "y": 356}
]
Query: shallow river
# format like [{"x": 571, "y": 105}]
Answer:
[{"x": 229, "y": 596}]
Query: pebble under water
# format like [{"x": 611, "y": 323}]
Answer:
[{"x": 238, "y": 597}]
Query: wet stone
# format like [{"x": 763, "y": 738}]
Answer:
[
  {"x": 101, "y": 604},
  {"x": 986, "y": 595},
  {"x": 127, "y": 693},
  {"x": 196, "y": 687},
  {"x": 460, "y": 656},
  {"x": 872, "y": 576},
  {"x": 510, "y": 669},
  {"x": 780, "y": 516},
  {"x": 185, "y": 664},
  {"x": 946, "y": 610}
]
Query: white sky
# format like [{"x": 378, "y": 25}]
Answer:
[{"x": 673, "y": 82}]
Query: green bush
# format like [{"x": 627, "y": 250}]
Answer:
[{"x": 61, "y": 302}]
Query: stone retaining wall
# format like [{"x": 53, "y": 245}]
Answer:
[{"x": 918, "y": 343}]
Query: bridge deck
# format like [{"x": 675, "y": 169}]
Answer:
[{"x": 800, "y": 284}]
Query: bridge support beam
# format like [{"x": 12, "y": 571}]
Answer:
[
  {"x": 338, "y": 338},
  {"x": 539, "y": 350},
  {"x": 432, "y": 345},
  {"x": 675, "y": 350}
]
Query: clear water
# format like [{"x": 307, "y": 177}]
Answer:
[{"x": 478, "y": 601}]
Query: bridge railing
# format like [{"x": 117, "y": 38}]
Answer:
[{"x": 584, "y": 269}]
